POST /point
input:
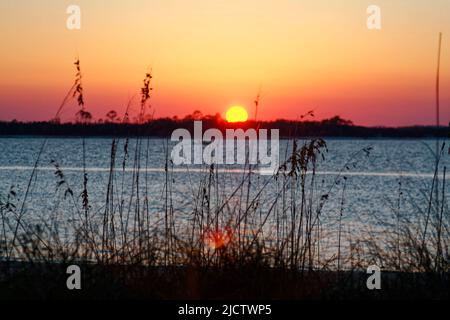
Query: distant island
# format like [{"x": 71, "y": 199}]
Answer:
[{"x": 163, "y": 127}]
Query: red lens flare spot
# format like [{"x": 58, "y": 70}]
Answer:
[{"x": 217, "y": 239}]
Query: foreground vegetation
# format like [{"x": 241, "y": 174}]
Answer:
[{"x": 234, "y": 243}]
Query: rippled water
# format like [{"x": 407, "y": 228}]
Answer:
[{"x": 372, "y": 186}]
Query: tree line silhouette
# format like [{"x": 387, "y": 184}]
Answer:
[{"x": 163, "y": 127}]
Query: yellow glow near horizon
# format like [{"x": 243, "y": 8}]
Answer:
[
  {"x": 236, "y": 114},
  {"x": 204, "y": 54}
]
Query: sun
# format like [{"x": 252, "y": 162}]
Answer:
[{"x": 237, "y": 114}]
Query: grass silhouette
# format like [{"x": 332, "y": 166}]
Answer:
[{"x": 233, "y": 244}]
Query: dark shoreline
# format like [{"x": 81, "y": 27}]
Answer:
[
  {"x": 163, "y": 128},
  {"x": 48, "y": 281},
  {"x": 376, "y": 138}
]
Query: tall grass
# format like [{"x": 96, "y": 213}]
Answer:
[
  {"x": 238, "y": 223},
  {"x": 227, "y": 225}
]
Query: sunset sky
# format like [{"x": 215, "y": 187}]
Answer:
[{"x": 208, "y": 55}]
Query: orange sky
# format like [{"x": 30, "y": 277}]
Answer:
[{"x": 212, "y": 54}]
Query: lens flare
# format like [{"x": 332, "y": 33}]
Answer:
[{"x": 218, "y": 239}]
